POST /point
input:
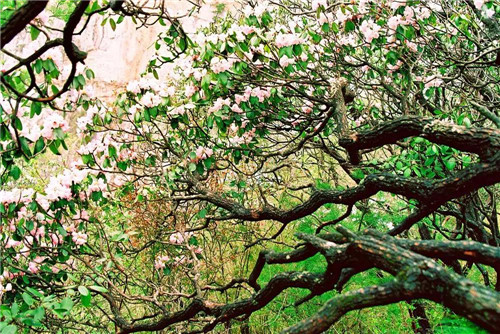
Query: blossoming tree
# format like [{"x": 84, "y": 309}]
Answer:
[{"x": 361, "y": 133}]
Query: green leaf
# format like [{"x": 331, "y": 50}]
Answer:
[
  {"x": 182, "y": 44},
  {"x": 122, "y": 165},
  {"x": 35, "y": 292},
  {"x": 39, "y": 313},
  {"x": 85, "y": 300},
  {"x": 60, "y": 312},
  {"x": 81, "y": 80},
  {"x": 98, "y": 288},
  {"x": 83, "y": 290},
  {"x": 10, "y": 329},
  {"x": 223, "y": 78},
  {"x": 24, "y": 146},
  {"x": 17, "y": 123},
  {"x": 14, "y": 309},
  {"x": 27, "y": 298},
  {"x": 208, "y": 162},
  {"x": 4, "y": 132},
  {"x": 112, "y": 23},
  {"x": 450, "y": 163},
  {"x": 202, "y": 213},
  {"x": 39, "y": 145},
  {"x": 288, "y": 51},
  {"x": 90, "y": 74},
  {"x": 38, "y": 66},
  {"x": 53, "y": 147},
  {"x": 67, "y": 304},
  {"x": 34, "y": 32},
  {"x": 429, "y": 161},
  {"x": 59, "y": 134},
  {"x": 200, "y": 169},
  {"x": 36, "y": 109},
  {"x": 392, "y": 57},
  {"x": 349, "y": 26},
  {"x": 15, "y": 172}
]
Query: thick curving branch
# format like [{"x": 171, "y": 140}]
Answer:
[
  {"x": 430, "y": 194},
  {"x": 481, "y": 141},
  {"x": 416, "y": 276},
  {"x": 71, "y": 50},
  {"x": 20, "y": 19}
]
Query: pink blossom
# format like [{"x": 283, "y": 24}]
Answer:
[
  {"x": 79, "y": 238},
  {"x": 394, "y": 67},
  {"x": 479, "y": 3},
  {"x": 189, "y": 90},
  {"x": 196, "y": 250},
  {"x": 370, "y": 30},
  {"x": 56, "y": 239},
  {"x": 423, "y": 13},
  {"x": 394, "y": 21},
  {"x": 203, "y": 153},
  {"x": 170, "y": 91},
  {"x": 261, "y": 8},
  {"x": 218, "y": 104},
  {"x": 325, "y": 18},
  {"x": 236, "y": 108},
  {"x": 283, "y": 40},
  {"x": 180, "y": 237},
  {"x": 247, "y": 30},
  {"x": 4, "y": 289},
  {"x": 160, "y": 262},
  {"x": 176, "y": 238},
  {"x": 12, "y": 243},
  {"x": 151, "y": 100},
  {"x": 347, "y": 40},
  {"x": 221, "y": 65},
  {"x": 341, "y": 16},
  {"x": 39, "y": 232},
  {"x": 51, "y": 122},
  {"x": 55, "y": 190},
  {"x": 180, "y": 110},
  {"x": 98, "y": 185},
  {"x": 398, "y": 3},
  {"x": 33, "y": 267},
  {"x": 412, "y": 46},
  {"x": 408, "y": 13},
  {"x": 363, "y": 6},
  {"x": 180, "y": 260},
  {"x": 285, "y": 61},
  {"x": 70, "y": 228},
  {"x": 306, "y": 110},
  {"x": 261, "y": 94},
  {"x": 240, "y": 98},
  {"x": 134, "y": 87}
]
